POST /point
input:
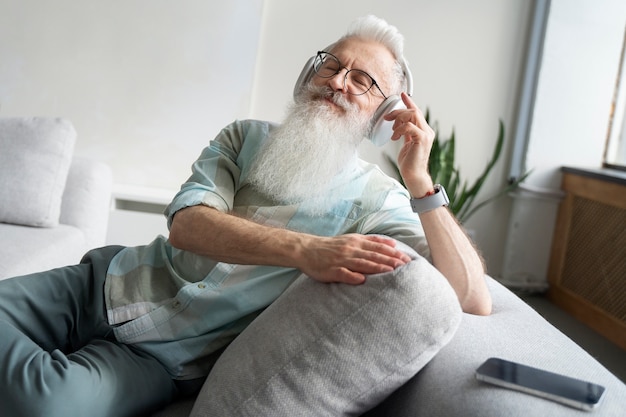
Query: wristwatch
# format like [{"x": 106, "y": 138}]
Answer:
[{"x": 430, "y": 202}]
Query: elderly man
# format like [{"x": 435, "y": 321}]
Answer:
[{"x": 123, "y": 330}]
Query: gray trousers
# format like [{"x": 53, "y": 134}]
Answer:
[{"x": 58, "y": 356}]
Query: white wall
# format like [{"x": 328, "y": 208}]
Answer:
[
  {"x": 147, "y": 83},
  {"x": 466, "y": 59}
]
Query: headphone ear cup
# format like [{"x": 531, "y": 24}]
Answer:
[
  {"x": 382, "y": 129},
  {"x": 304, "y": 77}
]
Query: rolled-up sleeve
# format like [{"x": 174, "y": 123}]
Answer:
[{"x": 215, "y": 174}]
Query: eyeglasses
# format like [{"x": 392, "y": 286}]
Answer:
[{"x": 356, "y": 82}]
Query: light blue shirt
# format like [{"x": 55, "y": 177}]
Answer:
[{"x": 180, "y": 307}]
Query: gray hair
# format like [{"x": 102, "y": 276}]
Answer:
[{"x": 376, "y": 29}]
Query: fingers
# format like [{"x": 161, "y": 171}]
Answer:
[
  {"x": 408, "y": 102},
  {"x": 373, "y": 258},
  {"x": 383, "y": 250},
  {"x": 346, "y": 276},
  {"x": 410, "y": 106},
  {"x": 350, "y": 258},
  {"x": 409, "y": 123}
]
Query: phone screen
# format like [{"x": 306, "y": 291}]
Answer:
[{"x": 570, "y": 391}]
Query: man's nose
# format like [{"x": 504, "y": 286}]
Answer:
[{"x": 337, "y": 81}]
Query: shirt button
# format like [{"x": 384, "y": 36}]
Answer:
[
  {"x": 201, "y": 286},
  {"x": 176, "y": 304}
]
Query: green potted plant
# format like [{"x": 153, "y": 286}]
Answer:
[{"x": 443, "y": 171}]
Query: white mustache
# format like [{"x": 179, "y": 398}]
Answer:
[{"x": 314, "y": 92}]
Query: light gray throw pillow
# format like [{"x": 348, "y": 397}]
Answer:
[
  {"x": 334, "y": 349},
  {"x": 35, "y": 157}
]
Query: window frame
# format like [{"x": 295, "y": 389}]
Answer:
[{"x": 615, "y": 149}]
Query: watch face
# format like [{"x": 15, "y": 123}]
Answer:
[{"x": 442, "y": 191}]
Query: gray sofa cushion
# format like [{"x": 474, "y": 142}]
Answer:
[
  {"x": 447, "y": 387},
  {"x": 334, "y": 349},
  {"x": 35, "y": 156}
]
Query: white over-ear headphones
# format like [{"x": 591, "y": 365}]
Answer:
[{"x": 382, "y": 129}]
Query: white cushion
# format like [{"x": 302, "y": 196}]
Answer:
[
  {"x": 26, "y": 250},
  {"x": 35, "y": 156},
  {"x": 334, "y": 349}
]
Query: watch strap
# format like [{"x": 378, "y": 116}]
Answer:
[{"x": 430, "y": 202}]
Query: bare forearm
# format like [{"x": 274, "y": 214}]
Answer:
[
  {"x": 227, "y": 238},
  {"x": 452, "y": 252},
  {"x": 456, "y": 258}
]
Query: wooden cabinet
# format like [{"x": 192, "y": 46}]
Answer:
[{"x": 587, "y": 271}]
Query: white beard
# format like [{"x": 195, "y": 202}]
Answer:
[{"x": 302, "y": 157}]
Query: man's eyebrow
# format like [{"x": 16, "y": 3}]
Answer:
[{"x": 358, "y": 67}]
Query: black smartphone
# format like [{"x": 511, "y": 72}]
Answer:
[{"x": 573, "y": 392}]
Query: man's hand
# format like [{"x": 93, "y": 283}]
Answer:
[
  {"x": 348, "y": 258},
  {"x": 411, "y": 125}
]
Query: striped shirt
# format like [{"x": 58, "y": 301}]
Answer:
[{"x": 180, "y": 307}]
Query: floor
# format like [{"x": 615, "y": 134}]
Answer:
[{"x": 605, "y": 352}]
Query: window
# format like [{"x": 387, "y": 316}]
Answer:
[{"x": 615, "y": 152}]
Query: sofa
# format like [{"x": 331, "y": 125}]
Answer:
[
  {"x": 54, "y": 206},
  {"x": 394, "y": 346},
  {"x": 265, "y": 375}
]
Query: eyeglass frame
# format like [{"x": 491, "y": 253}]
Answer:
[{"x": 345, "y": 77}]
